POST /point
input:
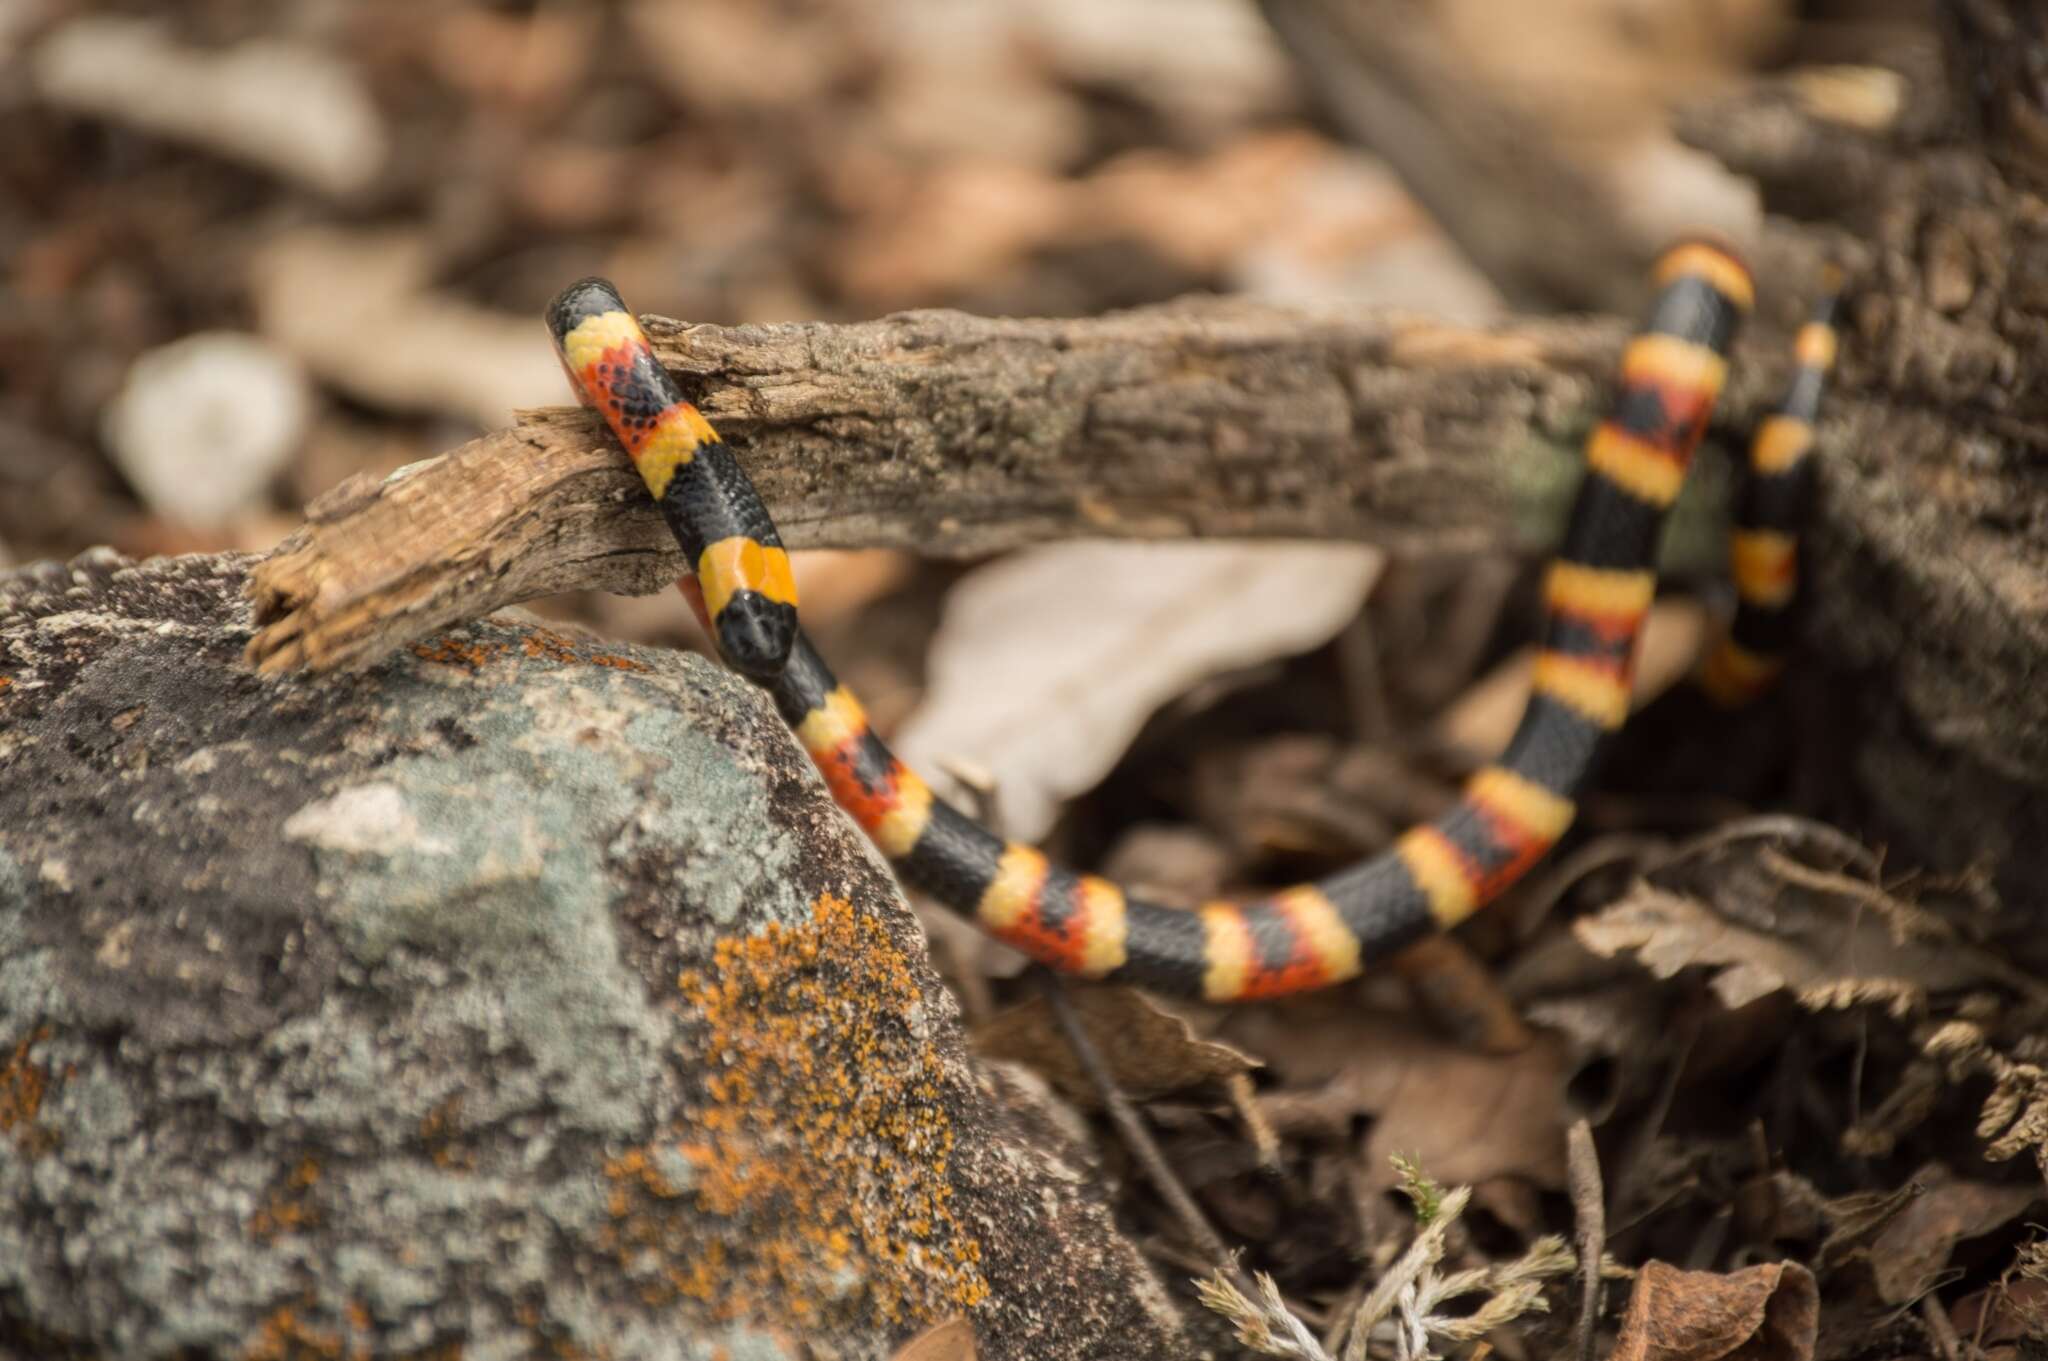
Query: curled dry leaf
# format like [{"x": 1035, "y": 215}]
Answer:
[
  {"x": 1150, "y": 1051},
  {"x": 1048, "y": 662},
  {"x": 1824, "y": 951},
  {"x": 1867, "y": 98},
  {"x": 1764, "y": 1313}
]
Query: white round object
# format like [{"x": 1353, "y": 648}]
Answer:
[{"x": 203, "y": 424}]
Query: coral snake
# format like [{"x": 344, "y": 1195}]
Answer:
[{"x": 1596, "y": 594}]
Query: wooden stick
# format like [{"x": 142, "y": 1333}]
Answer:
[{"x": 955, "y": 436}]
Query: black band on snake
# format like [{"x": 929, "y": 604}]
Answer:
[{"x": 1596, "y": 593}]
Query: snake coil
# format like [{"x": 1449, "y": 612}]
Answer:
[{"x": 1596, "y": 594}]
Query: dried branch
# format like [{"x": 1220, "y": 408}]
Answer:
[{"x": 956, "y": 435}]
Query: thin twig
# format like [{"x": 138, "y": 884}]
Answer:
[
  {"x": 1131, "y": 1126},
  {"x": 1365, "y": 684},
  {"x": 1589, "y": 1213},
  {"x": 1775, "y": 827},
  {"x": 1940, "y": 1328},
  {"x": 1244, "y": 1100},
  {"x": 1343, "y": 1312}
]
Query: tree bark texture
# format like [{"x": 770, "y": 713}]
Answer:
[{"x": 954, "y": 435}]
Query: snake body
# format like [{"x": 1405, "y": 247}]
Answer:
[
  {"x": 1596, "y": 594},
  {"x": 1770, "y": 510}
]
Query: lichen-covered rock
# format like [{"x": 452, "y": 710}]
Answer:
[{"x": 522, "y": 995}]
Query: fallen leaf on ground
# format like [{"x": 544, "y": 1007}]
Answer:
[
  {"x": 1854, "y": 1221},
  {"x": 1149, "y": 1050},
  {"x": 515, "y": 58},
  {"x": 960, "y": 222},
  {"x": 1914, "y": 1247},
  {"x": 356, "y": 309},
  {"x": 1170, "y": 861},
  {"x": 1463, "y": 1115},
  {"x": 1222, "y": 68},
  {"x": 286, "y": 107},
  {"x": 1827, "y": 954},
  {"x": 2007, "y": 1312},
  {"x": 771, "y": 59},
  {"x": 1763, "y": 1313},
  {"x": 1048, "y": 662}
]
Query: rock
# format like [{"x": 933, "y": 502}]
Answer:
[
  {"x": 203, "y": 424},
  {"x": 524, "y": 993}
]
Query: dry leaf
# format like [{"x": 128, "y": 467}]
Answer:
[
  {"x": 1463, "y": 1115},
  {"x": 1048, "y": 662},
  {"x": 949, "y": 1340},
  {"x": 1855, "y": 1220},
  {"x": 1914, "y": 1247},
  {"x": 286, "y": 107},
  {"x": 960, "y": 84},
  {"x": 530, "y": 58},
  {"x": 202, "y": 426},
  {"x": 1222, "y": 68},
  {"x": 770, "y": 58},
  {"x": 1149, "y": 1050},
  {"x": 2006, "y": 1312},
  {"x": 1826, "y": 952},
  {"x": 1867, "y": 98},
  {"x": 1764, "y": 1313},
  {"x": 356, "y": 310},
  {"x": 1208, "y": 211},
  {"x": 957, "y": 224}
]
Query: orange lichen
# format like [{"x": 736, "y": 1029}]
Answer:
[
  {"x": 288, "y": 1208},
  {"x": 22, "y": 1087},
  {"x": 543, "y": 644},
  {"x": 284, "y": 1336},
  {"x": 288, "y": 1333},
  {"x": 440, "y": 1130},
  {"x": 554, "y": 647},
  {"x": 455, "y": 651},
  {"x": 538, "y": 644},
  {"x": 821, "y": 1140}
]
